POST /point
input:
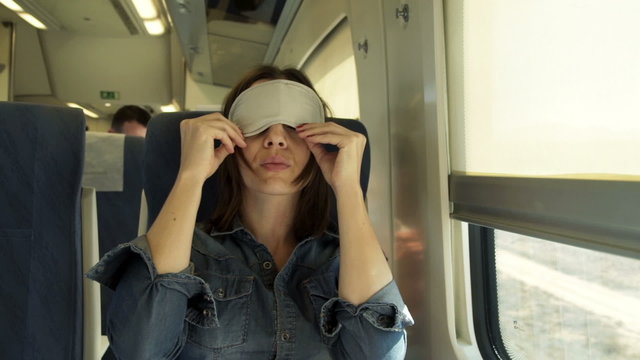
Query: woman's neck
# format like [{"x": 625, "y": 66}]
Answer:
[{"x": 270, "y": 219}]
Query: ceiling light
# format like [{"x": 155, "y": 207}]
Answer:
[
  {"x": 32, "y": 20},
  {"x": 33, "y": 13},
  {"x": 107, "y": 104},
  {"x": 146, "y": 9},
  {"x": 169, "y": 108},
  {"x": 11, "y": 5},
  {"x": 87, "y": 112},
  {"x": 154, "y": 27}
]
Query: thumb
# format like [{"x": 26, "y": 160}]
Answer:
[
  {"x": 317, "y": 150},
  {"x": 220, "y": 153}
]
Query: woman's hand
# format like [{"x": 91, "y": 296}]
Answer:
[
  {"x": 198, "y": 157},
  {"x": 341, "y": 169}
]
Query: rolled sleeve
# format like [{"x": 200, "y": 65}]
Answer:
[
  {"x": 385, "y": 310},
  {"x": 374, "y": 329},
  {"x": 109, "y": 270},
  {"x": 148, "y": 310}
]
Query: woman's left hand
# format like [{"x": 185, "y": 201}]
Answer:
[{"x": 341, "y": 169}]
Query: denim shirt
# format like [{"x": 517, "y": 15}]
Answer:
[{"x": 232, "y": 303}]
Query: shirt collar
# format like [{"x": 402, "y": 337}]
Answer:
[
  {"x": 236, "y": 225},
  {"x": 203, "y": 243}
]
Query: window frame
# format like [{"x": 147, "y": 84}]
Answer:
[
  {"x": 484, "y": 292},
  {"x": 600, "y": 215}
]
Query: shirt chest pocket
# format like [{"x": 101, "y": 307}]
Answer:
[
  {"x": 320, "y": 289},
  {"x": 221, "y": 320}
]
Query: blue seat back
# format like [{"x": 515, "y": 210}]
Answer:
[
  {"x": 162, "y": 162},
  {"x": 119, "y": 211},
  {"x": 41, "y": 152}
]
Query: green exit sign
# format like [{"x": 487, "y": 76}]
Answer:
[{"x": 109, "y": 95}]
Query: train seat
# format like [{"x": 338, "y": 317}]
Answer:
[
  {"x": 114, "y": 168},
  {"x": 162, "y": 162},
  {"x": 42, "y": 149}
]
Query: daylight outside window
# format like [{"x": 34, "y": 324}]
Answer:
[{"x": 561, "y": 302}]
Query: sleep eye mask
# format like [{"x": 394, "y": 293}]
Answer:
[{"x": 275, "y": 102}]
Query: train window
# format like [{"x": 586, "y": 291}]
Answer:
[
  {"x": 332, "y": 69},
  {"x": 553, "y": 301},
  {"x": 537, "y": 93},
  {"x": 541, "y": 90}
]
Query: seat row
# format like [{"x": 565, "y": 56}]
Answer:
[{"x": 67, "y": 197}]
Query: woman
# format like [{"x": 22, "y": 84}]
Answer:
[{"x": 264, "y": 281}]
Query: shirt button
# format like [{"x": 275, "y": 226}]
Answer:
[
  {"x": 284, "y": 336},
  {"x": 206, "y": 312},
  {"x": 267, "y": 265},
  {"x": 220, "y": 292}
]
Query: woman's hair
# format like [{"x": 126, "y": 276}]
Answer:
[{"x": 312, "y": 212}]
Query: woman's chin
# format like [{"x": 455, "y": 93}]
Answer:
[{"x": 276, "y": 188}]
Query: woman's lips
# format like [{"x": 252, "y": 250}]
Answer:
[
  {"x": 275, "y": 163},
  {"x": 275, "y": 166}
]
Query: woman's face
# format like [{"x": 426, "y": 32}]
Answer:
[{"x": 273, "y": 159}]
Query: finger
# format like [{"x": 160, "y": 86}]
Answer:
[
  {"x": 219, "y": 130},
  {"x": 216, "y": 119},
  {"x": 331, "y": 139},
  {"x": 317, "y": 150},
  {"x": 231, "y": 129},
  {"x": 233, "y": 126},
  {"x": 226, "y": 142},
  {"x": 322, "y": 127},
  {"x": 234, "y": 133},
  {"x": 221, "y": 153}
]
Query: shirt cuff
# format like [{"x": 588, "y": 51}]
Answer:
[
  {"x": 384, "y": 310},
  {"x": 113, "y": 265}
]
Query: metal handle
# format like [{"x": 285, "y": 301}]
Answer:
[
  {"x": 364, "y": 46},
  {"x": 403, "y": 13}
]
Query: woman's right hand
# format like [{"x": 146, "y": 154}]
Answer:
[{"x": 198, "y": 157}]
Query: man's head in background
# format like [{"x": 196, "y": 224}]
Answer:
[{"x": 130, "y": 120}]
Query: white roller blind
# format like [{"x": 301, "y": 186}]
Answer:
[{"x": 545, "y": 87}]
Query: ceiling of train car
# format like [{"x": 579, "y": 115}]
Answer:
[
  {"x": 239, "y": 35},
  {"x": 89, "y": 17},
  {"x": 235, "y": 35},
  {"x": 222, "y": 39}
]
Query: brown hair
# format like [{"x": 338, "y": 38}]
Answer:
[
  {"x": 129, "y": 113},
  {"x": 312, "y": 212}
]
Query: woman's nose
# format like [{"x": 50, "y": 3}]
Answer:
[{"x": 276, "y": 136}]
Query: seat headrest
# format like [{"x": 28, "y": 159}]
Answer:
[
  {"x": 162, "y": 162},
  {"x": 41, "y": 160}
]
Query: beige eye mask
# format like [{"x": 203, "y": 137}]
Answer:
[{"x": 275, "y": 102}]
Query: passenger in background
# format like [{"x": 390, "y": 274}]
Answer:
[
  {"x": 267, "y": 278},
  {"x": 130, "y": 120}
]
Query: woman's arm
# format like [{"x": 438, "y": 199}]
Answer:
[
  {"x": 363, "y": 267},
  {"x": 171, "y": 234},
  {"x": 367, "y": 319}
]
